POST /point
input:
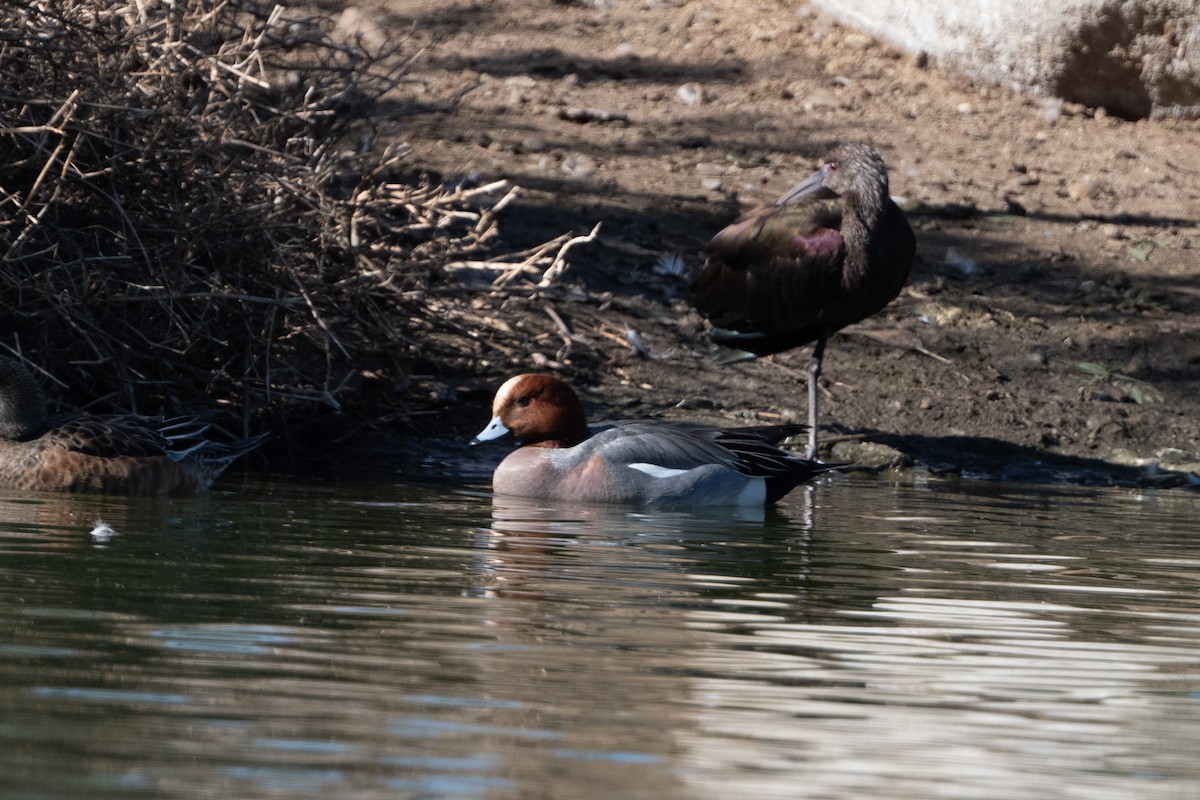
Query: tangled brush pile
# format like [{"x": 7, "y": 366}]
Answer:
[{"x": 192, "y": 209}]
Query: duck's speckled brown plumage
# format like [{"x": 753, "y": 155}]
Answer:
[
  {"x": 833, "y": 251},
  {"x": 118, "y": 454}
]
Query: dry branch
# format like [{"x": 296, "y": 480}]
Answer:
[{"x": 188, "y": 216}]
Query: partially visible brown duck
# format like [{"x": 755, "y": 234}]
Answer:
[
  {"x": 832, "y": 251},
  {"x": 119, "y": 454}
]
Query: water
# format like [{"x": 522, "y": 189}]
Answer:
[{"x": 865, "y": 640}]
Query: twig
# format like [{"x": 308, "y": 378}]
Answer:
[{"x": 559, "y": 265}]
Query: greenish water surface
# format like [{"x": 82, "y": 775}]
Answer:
[{"x": 863, "y": 640}]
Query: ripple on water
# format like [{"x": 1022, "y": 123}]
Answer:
[{"x": 863, "y": 639}]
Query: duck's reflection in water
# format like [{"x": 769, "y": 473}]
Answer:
[
  {"x": 532, "y": 540},
  {"x": 594, "y": 617}
]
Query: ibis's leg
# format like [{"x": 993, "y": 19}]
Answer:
[{"x": 814, "y": 372}]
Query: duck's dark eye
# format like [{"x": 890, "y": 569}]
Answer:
[{"x": 524, "y": 400}]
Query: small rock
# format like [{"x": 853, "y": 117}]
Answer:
[
  {"x": 712, "y": 184},
  {"x": 691, "y": 93},
  {"x": 1051, "y": 109},
  {"x": 534, "y": 144},
  {"x": 1085, "y": 188},
  {"x": 355, "y": 25},
  {"x": 869, "y": 454},
  {"x": 943, "y": 315},
  {"x": 1173, "y": 455},
  {"x": 578, "y": 165},
  {"x": 816, "y": 102}
]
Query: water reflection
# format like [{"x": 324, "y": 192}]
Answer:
[{"x": 861, "y": 640}]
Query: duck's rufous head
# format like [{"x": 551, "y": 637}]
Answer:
[{"x": 538, "y": 410}]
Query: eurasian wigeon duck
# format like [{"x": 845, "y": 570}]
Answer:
[
  {"x": 119, "y": 454},
  {"x": 832, "y": 251},
  {"x": 643, "y": 461}
]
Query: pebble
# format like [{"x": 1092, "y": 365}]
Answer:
[
  {"x": 1051, "y": 109},
  {"x": 712, "y": 184},
  {"x": 943, "y": 315},
  {"x": 869, "y": 454},
  {"x": 534, "y": 144},
  {"x": 1085, "y": 188},
  {"x": 819, "y": 101},
  {"x": 691, "y": 93},
  {"x": 578, "y": 165},
  {"x": 355, "y": 24}
]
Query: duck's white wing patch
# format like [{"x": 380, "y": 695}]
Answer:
[{"x": 655, "y": 471}]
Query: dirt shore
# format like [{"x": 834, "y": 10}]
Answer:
[{"x": 1050, "y": 331}]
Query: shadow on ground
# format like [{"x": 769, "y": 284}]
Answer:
[{"x": 983, "y": 457}]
